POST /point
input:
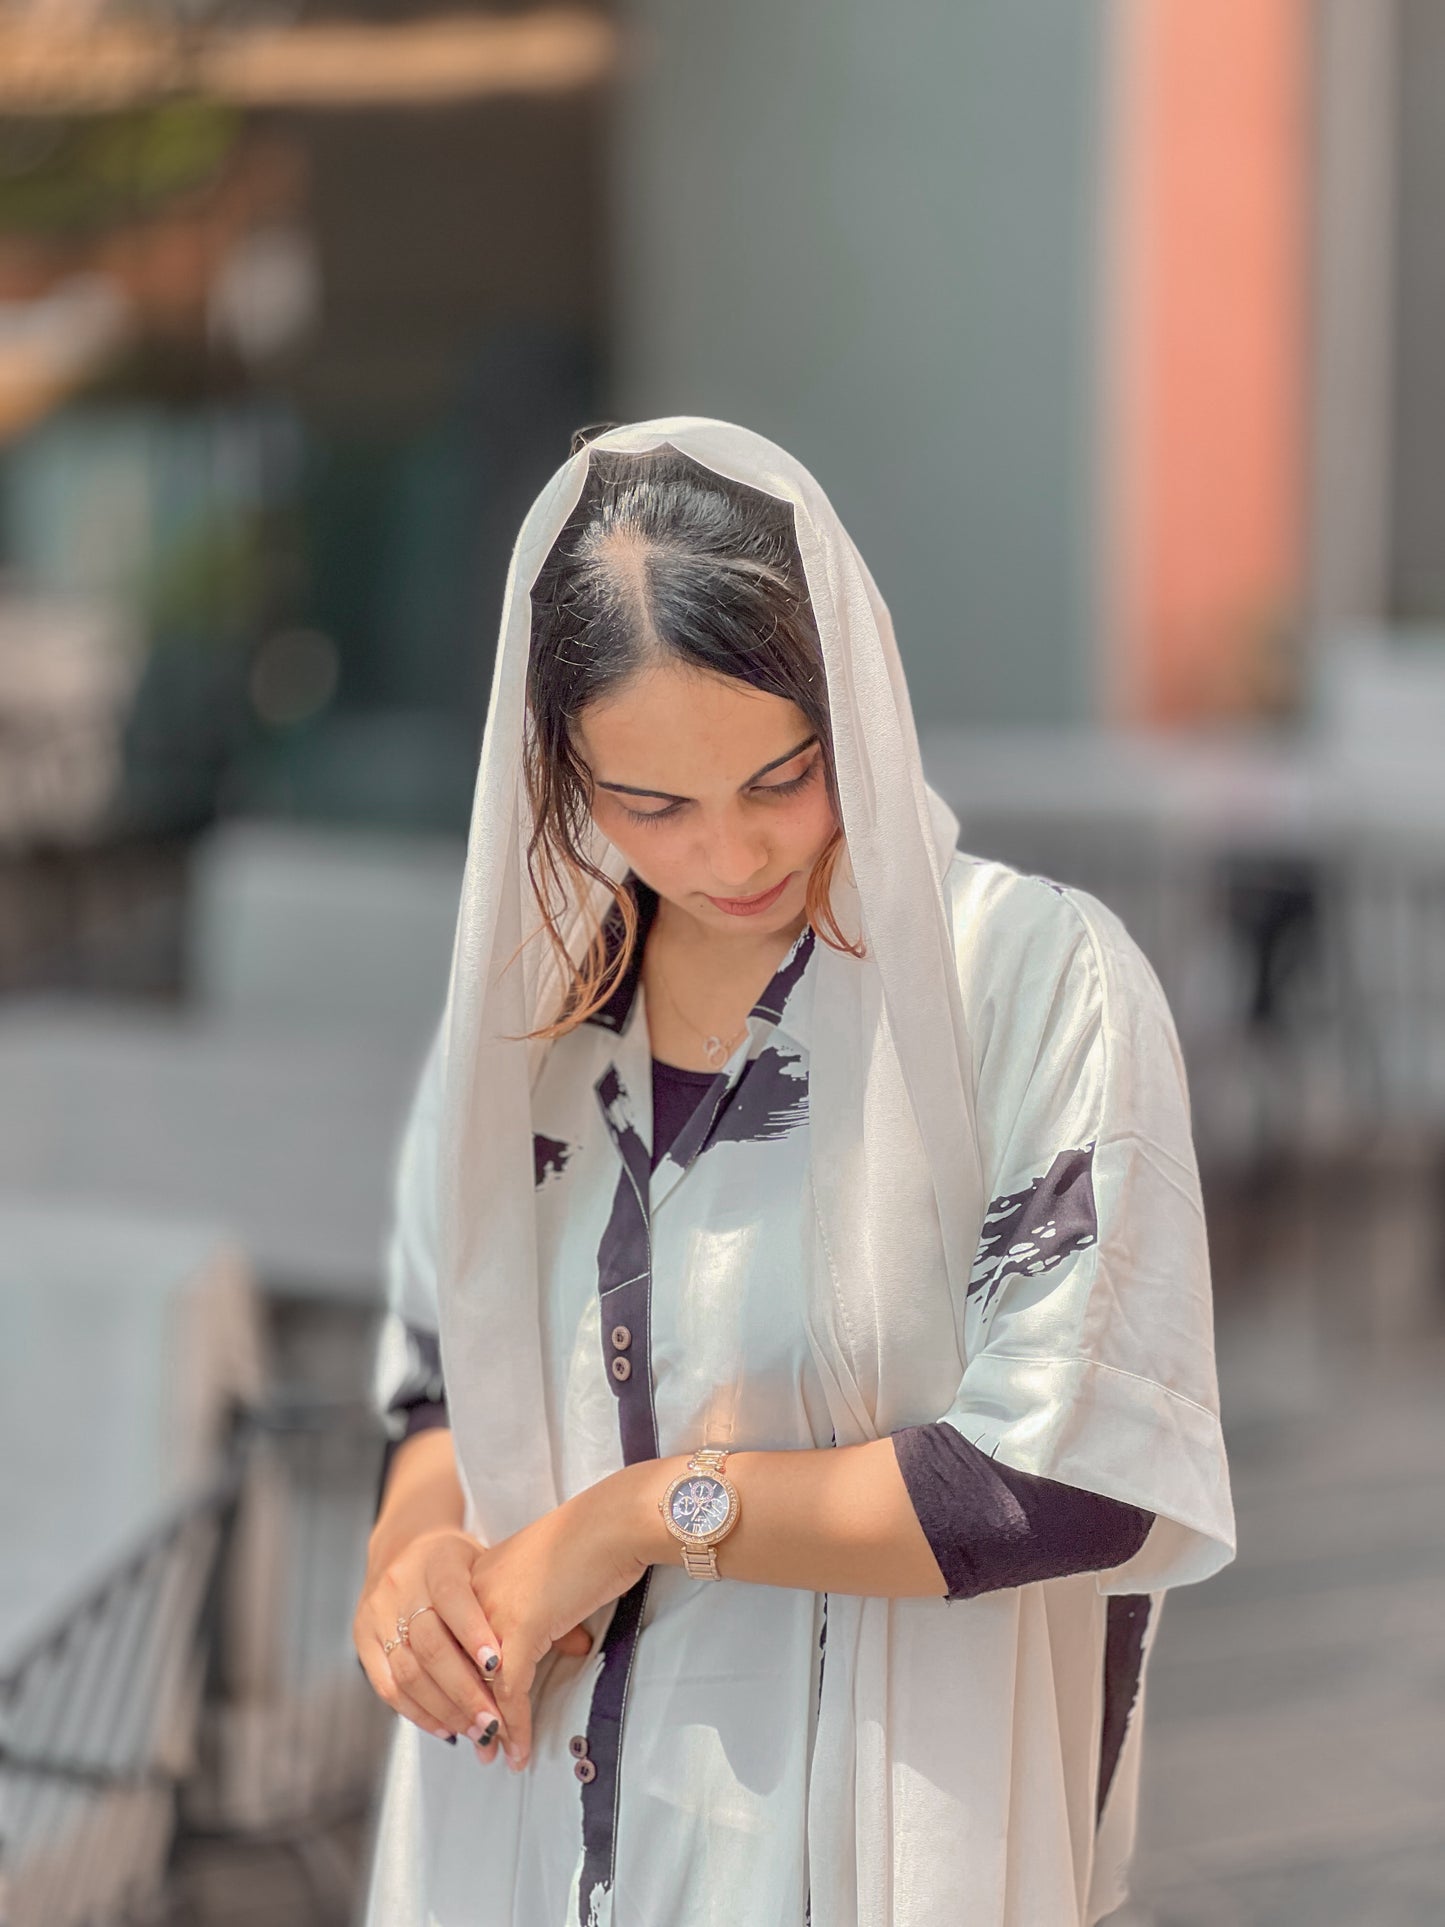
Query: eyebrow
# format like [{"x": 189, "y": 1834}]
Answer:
[{"x": 630, "y": 789}]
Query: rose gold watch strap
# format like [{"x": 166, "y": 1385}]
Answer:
[{"x": 701, "y": 1561}]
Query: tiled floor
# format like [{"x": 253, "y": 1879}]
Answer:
[{"x": 1294, "y": 1769}]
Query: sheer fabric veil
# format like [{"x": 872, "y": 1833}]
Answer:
[{"x": 940, "y": 1733}]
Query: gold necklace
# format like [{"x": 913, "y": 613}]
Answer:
[{"x": 717, "y": 1050}]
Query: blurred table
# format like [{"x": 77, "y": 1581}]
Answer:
[
  {"x": 285, "y": 1138},
  {"x": 124, "y": 1343},
  {"x": 1246, "y": 790},
  {"x": 1289, "y": 889}
]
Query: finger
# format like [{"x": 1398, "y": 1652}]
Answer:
[
  {"x": 437, "y": 1652},
  {"x": 383, "y": 1683},
  {"x": 452, "y": 1593},
  {"x": 511, "y": 1687},
  {"x": 414, "y": 1679},
  {"x": 462, "y": 1613},
  {"x": 510, "y": 1683}
]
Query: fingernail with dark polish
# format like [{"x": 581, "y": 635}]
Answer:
[
  {"x": 491, "y": 1659},
  {"x": 451, "y": 1739}
]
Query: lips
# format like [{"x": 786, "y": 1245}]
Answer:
[{"x": 750, "y": 906}]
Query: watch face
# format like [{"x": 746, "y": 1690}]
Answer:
[{"x": 700, "y": 1504}]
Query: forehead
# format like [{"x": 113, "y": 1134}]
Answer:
[{"x": 674, "y": 728}]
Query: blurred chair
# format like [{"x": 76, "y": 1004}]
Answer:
[
  {"x": 127, "y": 1340},
  {"x": 97, "y": 1730},
  {"x": 1379, "y": 715},
  {"x": 301, "y": 927},
  {"x": 205, "y": 1689},
  {"x": 1389, "y": 930},
  {"x": 1388, "y": 927},
  {"x": 1380, "y": 720},
  {"x": 293, "y": 1735}
]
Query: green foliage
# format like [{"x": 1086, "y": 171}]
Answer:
[
  {"x": 211, "y": 583},
  {"x": 81, "y": 176}
]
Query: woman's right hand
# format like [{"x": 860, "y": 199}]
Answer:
[{"x": 435, "y": 1679}]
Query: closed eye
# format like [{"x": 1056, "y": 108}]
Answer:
[{"x": 790, "y": 788}]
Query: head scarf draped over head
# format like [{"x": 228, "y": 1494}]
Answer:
[
  {"x": 939, "y": 1731},
  {"x": 895, "y": 1019}
]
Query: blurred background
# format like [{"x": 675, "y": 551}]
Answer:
[{"x": 1107, "y": 325}]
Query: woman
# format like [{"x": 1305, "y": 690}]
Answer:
[{"x": 764, "y": 1125}]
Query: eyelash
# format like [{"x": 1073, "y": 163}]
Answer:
[{"x": 790, "y": 788}]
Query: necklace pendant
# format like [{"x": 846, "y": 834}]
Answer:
[{"x": 715, "y": 1051}]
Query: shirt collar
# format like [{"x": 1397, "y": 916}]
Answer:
[{"x": 785, "y": 1002}]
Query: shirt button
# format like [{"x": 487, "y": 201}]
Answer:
[
  {"x": 578, "y": 1744},
  {"x": 585, "y": 1770},
  {"x": 621, "y": 1368},
  {"x": 621, "y": 1338}
]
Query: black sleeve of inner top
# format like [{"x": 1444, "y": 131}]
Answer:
[{"x": 990, "y": 1526}]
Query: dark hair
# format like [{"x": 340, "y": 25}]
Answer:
[{"x": 661, "y": 557}]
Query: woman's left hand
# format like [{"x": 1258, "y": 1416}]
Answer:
[{"x": 539, "y": 1583}]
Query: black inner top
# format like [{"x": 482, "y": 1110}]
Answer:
[{"x": 676, "y": 1094}]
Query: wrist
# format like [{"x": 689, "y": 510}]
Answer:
[
  {"x": 385, "y": 1548},
  {"x": 423, "y": 1494},
  {"x": 629, "y": 1498}
]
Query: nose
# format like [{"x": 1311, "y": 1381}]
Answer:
[{"x": 736, "y": 858}]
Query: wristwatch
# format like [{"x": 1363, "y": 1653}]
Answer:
[{"x": 699, "y": 1508}]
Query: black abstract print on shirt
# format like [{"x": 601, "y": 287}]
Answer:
[
  {"x": 1032, "y": 1230},
  {"x": 549, "y": 1158},
  {"x": 771, "y": 1099},
  {"x": 1127, "y": 1626}
]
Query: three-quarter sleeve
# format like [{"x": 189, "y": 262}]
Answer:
[
  {"x": 408, "y": 1388},
  {"x": 1088, "y": 1319},
  {"x": 990, "y": 1526}
]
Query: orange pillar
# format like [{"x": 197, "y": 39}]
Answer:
[{"x": 1207, "y": 321}]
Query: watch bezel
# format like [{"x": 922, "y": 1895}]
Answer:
[{"x": 680, "y": 1533}]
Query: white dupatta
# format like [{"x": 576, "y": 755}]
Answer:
[{"x": 957, "y": 1740}]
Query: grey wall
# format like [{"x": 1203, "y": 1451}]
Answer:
[
  {"x": 871, "y": 232},
  {"x": 1355, "y": 92},
  {"x": 1417, "y": 560}
]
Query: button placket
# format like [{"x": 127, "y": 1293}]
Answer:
[{"x": 625, "y": 1282}]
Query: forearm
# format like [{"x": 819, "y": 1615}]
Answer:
[
  {"x": 837, "y": 1519},
  {"x": 423, "y": 1494}
]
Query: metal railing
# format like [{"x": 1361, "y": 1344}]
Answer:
[
  {"x": 205, "y": 1689},
  {"x": 97, "y": 1729}
]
